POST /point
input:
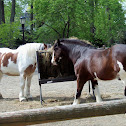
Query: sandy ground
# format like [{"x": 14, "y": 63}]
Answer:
[{"x": 61, "y": 94}]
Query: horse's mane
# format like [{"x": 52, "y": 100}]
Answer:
[
  {"x": 85, "y": 41},
  {"x": 29, "y": 48},
  {"x": 75, "y": 41}
]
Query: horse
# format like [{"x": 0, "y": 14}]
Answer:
[
  {"x": 20, "y": 62},
  {"x": 92, "y": 64}
]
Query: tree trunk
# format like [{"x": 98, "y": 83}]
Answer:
[
  {"x": 68, "y": 27},
  {"x": 31, "y": 15},
  {"x": 0, "y": 11},
  {"x": 111, "y": 39},
  {"x": 2, "y": 16},
  {"x": 12, "y": 11},
  {"x": 64, "y": 30},
  {"x": 92, "y": 27}
]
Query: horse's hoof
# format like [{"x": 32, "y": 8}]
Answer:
[
  {"x": 76, "y": 101},
  {"x": 99, "y": 100},
  {"x": 1, "y": 97},
  {"x": 29, "y": 98},
  {"x": 23, "y": 99}
]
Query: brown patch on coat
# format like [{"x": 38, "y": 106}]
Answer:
[
  {"x": 7, "y": 56},
  {"x": 29, "y": 70},
  {"x": 0, "y": 58}
]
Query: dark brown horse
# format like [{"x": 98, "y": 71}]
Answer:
[{"x": 92, "y": 64}]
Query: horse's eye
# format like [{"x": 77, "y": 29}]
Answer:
[{"x": 55, "y": 49}]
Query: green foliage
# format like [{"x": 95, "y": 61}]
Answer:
[
  {"x": 98, "y": 21},
  {"x": 109, "y": 23},
  {"x": 8, "y": 34}
]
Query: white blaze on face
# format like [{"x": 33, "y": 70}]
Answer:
[{"x": 53, "y": 59}]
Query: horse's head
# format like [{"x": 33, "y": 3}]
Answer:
[
  {"x": 57, "y": 53},
  {"x": 44, "y": 46}
]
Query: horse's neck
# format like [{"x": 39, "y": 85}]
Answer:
[
  {"x": 74, "y": 53},
  {"x": 29, "y": 50}
]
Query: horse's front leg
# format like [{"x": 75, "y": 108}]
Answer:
[
  {"x": 80, "y": 85},
  {"x": 22, "y": 86},
  {"x": 96, "y": 90},
  {"x": 28, "y": 96}
]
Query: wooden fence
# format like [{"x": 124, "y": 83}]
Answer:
[{"x": 58, "y": 113}]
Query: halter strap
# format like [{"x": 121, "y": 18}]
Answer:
[{"x": 41, "y": 47}]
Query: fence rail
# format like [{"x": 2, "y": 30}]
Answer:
[{"x": 58, "y": 113}]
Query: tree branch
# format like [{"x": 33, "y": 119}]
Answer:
[{"x": 52, "y": 28}]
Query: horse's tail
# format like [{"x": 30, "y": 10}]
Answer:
[{"x": 125, "y": 91}]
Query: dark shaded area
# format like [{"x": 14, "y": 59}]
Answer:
[{"x": 48, "y": 71}]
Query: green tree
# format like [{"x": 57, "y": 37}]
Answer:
[
  {"x": 98, "y": 21},
  {"x": 109, "y": 21},
  {"x": 55, "y": 18},
  {"x": 10, "y": 32}
]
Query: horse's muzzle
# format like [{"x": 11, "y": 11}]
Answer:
[{"x": 54, "y": 63}]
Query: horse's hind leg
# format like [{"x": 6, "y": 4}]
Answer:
[
  {"x": 124, "y": 82},
  {"x": 22, "y": 85},
  {"x": 96, "y": 90},
  {"x": 125, "y": 87},
  {"x": 122, "y": 78},
  {"x": 28, "y": 84}
]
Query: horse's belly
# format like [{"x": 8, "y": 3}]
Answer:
[
  {"x": 110, "y": 75},
  {"x": 107, "y": 76},
  {"x": 11, "y": 70}
]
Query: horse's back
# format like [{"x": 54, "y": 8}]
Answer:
[
  {"x": 98, "y": 61},
  {"x": 119, "y": 48},
  {"x": 5, "y": 50}
]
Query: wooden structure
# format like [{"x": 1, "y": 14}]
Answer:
[
  {"x": 58, "y": 113},
  {"x": 49, "y": 73}
]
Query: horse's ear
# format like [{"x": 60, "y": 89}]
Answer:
[
  {"x": 58, "y": 42},
  {"x": 45, "y": 46}
]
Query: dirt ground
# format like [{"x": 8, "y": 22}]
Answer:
[{"x": 58, "y": 94}]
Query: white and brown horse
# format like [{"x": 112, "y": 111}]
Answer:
[
  {"x": 92, "y": 64},
  {"x": 20, "y": 62}
]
